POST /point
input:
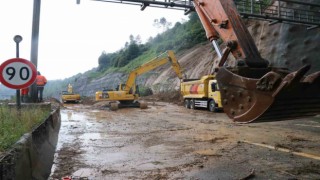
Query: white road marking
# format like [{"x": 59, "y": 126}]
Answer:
[
  {"x": 307, "y": 125},
  {"x": 285, "y": 150}
]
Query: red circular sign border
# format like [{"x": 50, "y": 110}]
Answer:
[{"x": 33, "y": 78}]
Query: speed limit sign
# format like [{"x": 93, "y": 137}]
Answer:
[{"x": 17, "y": 73}]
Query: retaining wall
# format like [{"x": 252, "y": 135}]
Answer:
[{"x": 32, "y": 156}]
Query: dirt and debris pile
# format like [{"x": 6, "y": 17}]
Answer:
[
  {"x": 88, "y": 100},
  {"x": 170, "y": 96}
]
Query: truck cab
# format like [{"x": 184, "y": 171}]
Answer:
[{"x": 214, "y": 96}]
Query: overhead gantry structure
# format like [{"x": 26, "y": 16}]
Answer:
[{"x": 278, "y": 11}]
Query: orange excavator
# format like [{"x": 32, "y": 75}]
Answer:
[{"x": 251, "y": 89}]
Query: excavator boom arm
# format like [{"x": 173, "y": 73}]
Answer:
[
  {"x": 154, "y": 63},
  {"x": 221, "y": 19}
]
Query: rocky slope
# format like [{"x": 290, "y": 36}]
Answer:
[
  {"x": 195, "y": 63},
  {"x": 284, "y": 45},
  {"x": 290, "y": 46}
]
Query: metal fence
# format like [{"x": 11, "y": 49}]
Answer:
[{"x": 279, "y": 11}]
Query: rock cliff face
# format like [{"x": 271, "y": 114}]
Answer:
[
  {"x": 87, "y": 87},
  {"x": 289, "y": 46},
  {"x": 195, "y": 63}
]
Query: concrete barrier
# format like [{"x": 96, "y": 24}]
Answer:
[{"x": 32, "y": 156}]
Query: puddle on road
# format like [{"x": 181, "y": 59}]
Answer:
[
  {"x": 84, "y": 121},
  {"x": 101, "y": 142},
  {"x": 90, "y": 136},
  {"x": 101, "y": 157},
  {"x": 84, "y": 131}
]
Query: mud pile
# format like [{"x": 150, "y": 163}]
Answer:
[{"x": 169, "y": 96}]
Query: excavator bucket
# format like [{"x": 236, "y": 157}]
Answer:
[{"x": 269, "y": 94}]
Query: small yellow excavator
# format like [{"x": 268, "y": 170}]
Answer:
[
  {"x": 70, "y": 96},
  {"x": 126, "y": 95}
]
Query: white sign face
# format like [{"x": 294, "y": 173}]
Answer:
[{"x": 17, "y": 73}]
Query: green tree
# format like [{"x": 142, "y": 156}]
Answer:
[
  {"x": 104, "y": 61},
  {"x": 162, "y": 23}
]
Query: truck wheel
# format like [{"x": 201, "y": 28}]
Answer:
[
  {"x": 187, "y": 103},
  {"x": 192, "y": 104},
  {"x": 212, "y": 106}
]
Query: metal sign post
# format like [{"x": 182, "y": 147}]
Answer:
[{"x": 17, "y": 39}]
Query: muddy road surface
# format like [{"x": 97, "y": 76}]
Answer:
[{"x": 167, "y": 141}]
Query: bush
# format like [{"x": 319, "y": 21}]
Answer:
[{"x": 145, "y": 91}]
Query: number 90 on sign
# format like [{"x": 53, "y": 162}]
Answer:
[{"x": 17, "y": 73}]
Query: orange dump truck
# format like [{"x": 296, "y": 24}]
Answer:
[{"x": 202, "y": 93}]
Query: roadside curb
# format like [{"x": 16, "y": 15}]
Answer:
[{"x": 32, "y": 156}]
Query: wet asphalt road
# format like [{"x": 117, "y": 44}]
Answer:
[{"x": 167, "y": 141}]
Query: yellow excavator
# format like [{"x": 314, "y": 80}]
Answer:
[
  {"x": 252, "y": 89},
  {"x": 70, "y": 96},
  {"x": 126, "y": 95}
]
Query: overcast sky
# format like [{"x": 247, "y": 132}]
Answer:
[{"x": 73, "y": 36}]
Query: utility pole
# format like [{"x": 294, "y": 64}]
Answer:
[{"x": 34, "y": 44}]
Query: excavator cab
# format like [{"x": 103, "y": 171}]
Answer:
[
  {"x": 252, "y": 90},
  {"x": 133, "y": 90},
  {"x": 120, "y": 87}
]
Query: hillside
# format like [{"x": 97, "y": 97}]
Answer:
[
  {"x": 195, "y": 63},
  {"x": 283, "y": 45}
]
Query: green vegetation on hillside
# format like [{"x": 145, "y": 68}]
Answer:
[{"x": 180, "y": 37}]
